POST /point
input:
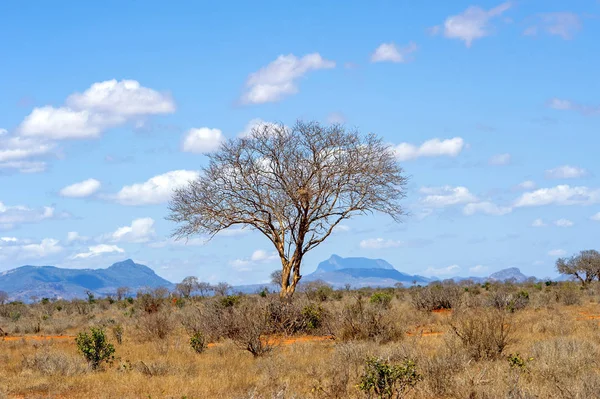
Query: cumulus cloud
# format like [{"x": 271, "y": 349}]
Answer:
[
  {"x": 559, "y": 195},
  {"x": 12, "y": 248},
  {"x": 380, "y": 243},
  {"x": 97, "y": 250},
  {"x": 389, "y": 52},
  {"x": 566, "y": 172},
  {"x": 596, "y": 217},
  {"x": 73, "y": 236},
  {"x": 500, "y": 159},
  {"x": 563, "y": 223},
  {"x": 102, "y": 106},
  {"x": 12, "y": 216},
  {"x": 557, "y": 252},
  {"x": 563, "y": 24},
  {"x": 439, "y": 197},
  {"x": 15, "y": 153},
  {"x": 538, "y": 223},
  {"x": 81, "y": 189},
  {"x": 472, "y": 24},
  {"x": 443, "y": 271},
  {"x": 156, "y": 190},
  {"x": 430, "y": 148},
  {"x": 140, "y": 230},
  {"x": 202, "y": 140},
  {"x": 567, "y": 105},
  {"x": 487, "y": 208},
  {"x": 280, "y": 78},
  {"x": 258, "y": 256},
  {"x": 255, "y": 124}
]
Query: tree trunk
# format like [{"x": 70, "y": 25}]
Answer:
[{"x": 289, "y": 287}]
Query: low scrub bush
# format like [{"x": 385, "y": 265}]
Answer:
[
  {"x": 198, "y": 342},
  {"x": 436, "y": 296},
  {"x": 54, "y": 363},
  {"x": 388, "y": 381},
  {"x": 94, "y": 347},
  {"x": 482, "y": 333}
]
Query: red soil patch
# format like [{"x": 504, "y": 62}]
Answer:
[
  {"x": 442, "y": 311},
  {"x": 278, "y": 340},
  {"x": 37, "y": 337}
]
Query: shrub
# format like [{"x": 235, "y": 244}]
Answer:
[
  {"x": 484, "y": 334},
  {"x": 198, "y": 342},
  {"x": 117, "y": 331},
  {"x": 94, "y": 347},
  {"x": 156, "y": 325},
  {"x": 511, "y": 301},
  {"x": 54, "y": 363},
  {"x": 317, "y": 290},
  {"x": 388, "y": 381},
  {"x": 365, "y": 321},
  {"x": 435, "y": 297},
  {"x": 381, "y": 298},
  {"x": 313, "y": 316}
]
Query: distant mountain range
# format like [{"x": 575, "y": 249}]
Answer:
[{"x": 26, "y": 282}]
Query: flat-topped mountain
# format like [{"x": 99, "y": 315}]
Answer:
[{"x": 53, "y": 282}]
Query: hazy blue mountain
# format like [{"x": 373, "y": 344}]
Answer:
[
  {"x": 512, "y": 273},
  {"x": 361, "y": 272},
  {"x": 53, "y": 282}
]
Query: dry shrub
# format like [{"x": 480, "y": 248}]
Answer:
[
  {"x": 156, "y": 325},
  {"x": 154, "y": 369},
  {"x": 569, "y": 294},
  {"x": 482, "y": 333},
  {"x": 507, "y": 299},
  {"x": 439, "y": 372},
  {"x": 436, "y": 296},
  {"x": 55, "y": 363},
  {"x": 363, "y": 320}
]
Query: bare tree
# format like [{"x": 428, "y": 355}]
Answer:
[
  {"x": 3, "y": 297},
  {"x": 585, "y": 266},
  {"x": 222, "y": 289},
  {"x": 187, "y": 286},
  {"x": 204, "y": 288},
  {"x": 294, "y": 185},
  {"x": 122, "y": 293},
  {"x": 276, "y": 277}
]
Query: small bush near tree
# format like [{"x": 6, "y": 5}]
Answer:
[
  {"x": 95, "y": 347},
  {"x": 388, "y": 381},
  {"x": 198, "y": 342}
]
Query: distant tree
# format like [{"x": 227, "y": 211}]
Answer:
[
  {"x": 122, "y": 293},
  {"x": 276, "y": 278},
  {"x": 187, "y": 286},
  {"x": 204, "y": 288},
  {"x": 585, "y": 266},
  {"x": 294, "y": 185},
  {"x": 222, "y": 289},
  {"x": 398, "y": 285},
  {"x": 3, "y": 297}
]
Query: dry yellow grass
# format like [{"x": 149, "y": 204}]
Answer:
[{"x": 560, "y": 346}]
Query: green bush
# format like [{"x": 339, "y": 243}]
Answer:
[
  {"x": 381, "y": 298},
  {"x": 198, "y": 342},
  {"x": 313, "y": 316},
  {"x": 95, "y": 347},
  {"x": 387, "y": 381}
]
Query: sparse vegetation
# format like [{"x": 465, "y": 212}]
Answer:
[{"x": 493, "y": 340}]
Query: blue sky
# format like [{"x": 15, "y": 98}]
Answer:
[{"x": 492, "y": 107}]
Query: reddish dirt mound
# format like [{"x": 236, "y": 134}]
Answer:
[
  {"x": 278, "y": 340},
  {"x": 37, "y": 337},
  {"x": 442, "y": 311}
]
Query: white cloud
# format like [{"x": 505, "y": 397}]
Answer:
[
  {"x": 478, "y": 269},
  {"x": 564, "y": 223},
  {"x": 10, "y": 216},
  {"x": 430, "y": 148},
  {"x": 279, "y": 78},
  {"x": 336, "y": 118},
  {"x": 202, "y": 140},
  {"x": 81, "y": 189},
  {"x": 258, "y": 256},
  {"x": 97, "y": 250},
  {"x": 559, "y": 195},
  {"x": 380, "y": 243},
  {"x": 443, "y": 271},
  {"x": 487, "y": 208},
  {"x": 526, "y": 185},
  {"x": 563, "y": 24},
  {"x": 102, "y": 106},
  {"x": 538, "y": 223},
  {"x": 155, "y": 190},
  {"x": 472, "y": 24},
  {"x": 500, "y": 159},
  {"x": 20, "y": 148},
  {"x": 24, "y": 166},
  {"x": 566, "y": 172},
  {"x": 566, "y": 105},
  {"x": 439, "y": 197},
  {"x": 3, "y": 132},
  {"x": 125, "y": 98},
  {"x": 256, "y": 124},
  {"x": 140, "y": 230},
  {"x": 557, "y": 252},
  {"x": 73, "y": 236},
  {"x": 389, "y": 52},
  {"x": 46, "y": 247},
  {"x": 596, "y": 217}
]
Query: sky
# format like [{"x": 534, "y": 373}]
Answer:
[{"x": 492, "y": 109}]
